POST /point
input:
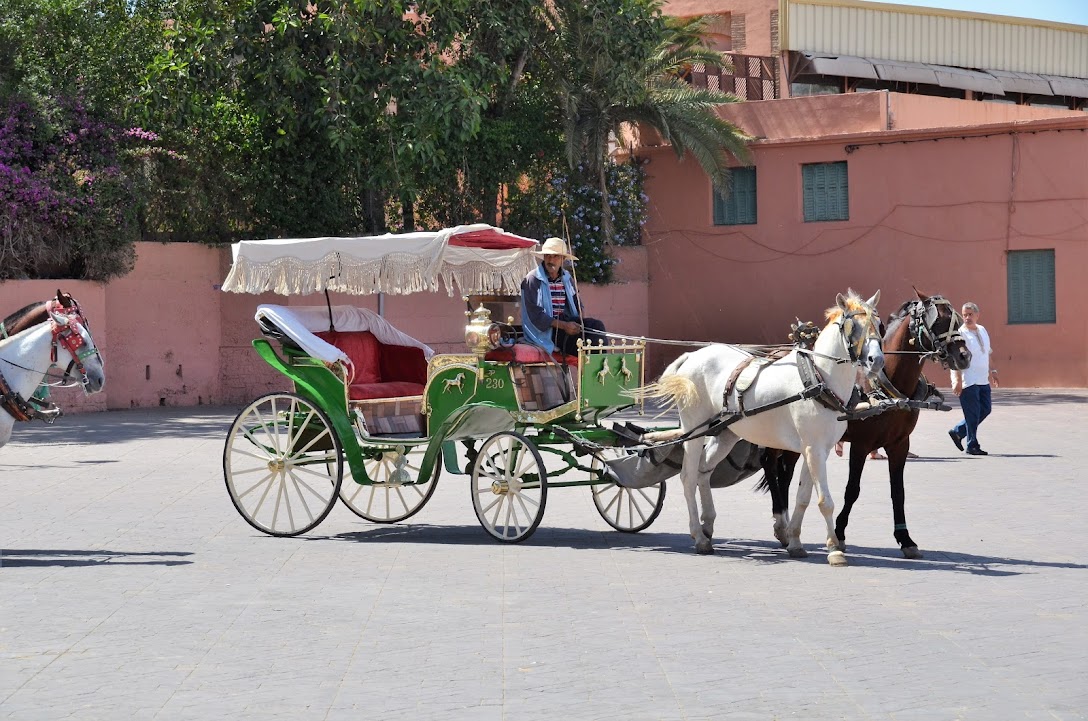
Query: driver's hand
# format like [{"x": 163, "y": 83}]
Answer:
[{"x": 572, "y": 328}]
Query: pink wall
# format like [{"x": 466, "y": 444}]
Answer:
[
  {"x": 922, "y": 111},
  {"x": 170, "y": 305},
  {"x": 170, "y": 337},
  {"x": 937, "y": 212}
]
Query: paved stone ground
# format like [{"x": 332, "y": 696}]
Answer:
[{"x": 130, "y": 588}]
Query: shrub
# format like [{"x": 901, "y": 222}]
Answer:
[
  {"x": 71, "y": 188},
  {"x": 539, "y": 207}
]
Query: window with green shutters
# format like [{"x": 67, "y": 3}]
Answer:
[
  {"x": 826, "y": 191},
  {"x": 1031, "y": 286},
  {"x": 739, "y": 206}
]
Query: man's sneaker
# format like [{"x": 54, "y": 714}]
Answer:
[
  {"x": 976, "y": 451},
  {"x": 956, "y": 439}
]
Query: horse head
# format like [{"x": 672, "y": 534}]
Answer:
[
  {"x": 72, "y": 341},
  {"x": 858, "y": 325},
  {"x": 935, "y": 331}
]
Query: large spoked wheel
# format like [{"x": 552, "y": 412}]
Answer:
[
  {"x": 283, "y": 464},
  {"x": 629, "y": 510},
  {"x": 509, "y": 487},
  {"x": 397, "y": 491}
]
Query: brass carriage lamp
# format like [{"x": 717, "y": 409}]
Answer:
[{"x": 477, "y": 331}]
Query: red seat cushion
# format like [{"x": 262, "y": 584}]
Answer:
[
  {"x": 525, "y": 353},
  {"x": 403, "y": 363},
  {"x": 396, "y": 389},
  {"x": 363, "y": 349}
]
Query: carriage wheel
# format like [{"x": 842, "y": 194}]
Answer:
[
  {"x": 629, "y": 510},
  {"x": 394, "y": 495},
  {"x": 509, "y": 487},
  {"x": 283, "y": 464}
]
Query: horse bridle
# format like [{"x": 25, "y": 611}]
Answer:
[
  {"x": 930, "y": 344},
  {"x": 854, "y": 349},
  {"x": 70, "y": 335}
]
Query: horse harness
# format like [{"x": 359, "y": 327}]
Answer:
[
  {"x": 923, "y": 314},
  {"x": 64, "y": 333}
]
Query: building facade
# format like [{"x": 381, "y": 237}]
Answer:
[{"x": 951, "y": 190}]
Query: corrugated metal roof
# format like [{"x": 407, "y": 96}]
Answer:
[
  {"x": 948, "y": 77},
  {"x": 846, "y": 66},
  {"x": 1075, "y": 87},
  {"x": 922, "y": 35},
  {"x": 905, "y": 72},
  {"x": 1022, "y": 82}
]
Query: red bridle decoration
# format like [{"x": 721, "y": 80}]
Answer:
[{"x": 68, "y": 335}]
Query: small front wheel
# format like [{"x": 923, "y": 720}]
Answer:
[
  {"x": 509, "y": 487},
  {"x": 629, "y": 510},
  {"x": 397, "y": 490},
  {"x": 283, "y": 464}
]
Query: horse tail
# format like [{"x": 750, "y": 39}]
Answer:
[
  {"x": 675, "y": 389},
  {"x": 674, "y": 367}
]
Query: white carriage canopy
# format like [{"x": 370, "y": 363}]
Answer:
[
  {"x": 299, "y": 323},
  {"x": 468, "y": 259}
]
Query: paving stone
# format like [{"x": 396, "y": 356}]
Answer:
[{"x": 131, "y": 589}]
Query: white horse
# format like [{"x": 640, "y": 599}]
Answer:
[
  {"x": 696, "y": 382},
  {"x": 26, "y": 357}
]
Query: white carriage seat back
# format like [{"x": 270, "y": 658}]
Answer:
[{"x": 300, "y": 322}]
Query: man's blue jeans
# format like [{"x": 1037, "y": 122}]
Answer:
[{"x": 975, "y": 402}]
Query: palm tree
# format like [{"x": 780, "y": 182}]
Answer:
[{"x": 621, "y": 67}]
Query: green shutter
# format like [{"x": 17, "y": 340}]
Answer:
[
  {"x": 1031, "y": 288},
  {"x": 825, "y": 191},
  {"x": 739, "y": 207}
]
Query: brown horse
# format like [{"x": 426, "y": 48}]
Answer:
[
  {"x": 923, "y": 329},
  {"x": 31, "y": 315}
]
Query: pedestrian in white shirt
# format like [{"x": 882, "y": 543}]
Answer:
[{"x": 973, "y": 384}]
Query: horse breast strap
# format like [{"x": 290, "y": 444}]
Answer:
[
  {"x": 812, "y": 379},
  {"x": 23, "y": 410}
]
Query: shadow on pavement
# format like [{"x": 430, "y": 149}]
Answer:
[
  {"x": 16, "y": 557},
  {"x": 962, "y": 457},
  {"x": 1036, "y": 397},
  {"x": 129, "y": 425},
  {"x": 769, "y": 551}
]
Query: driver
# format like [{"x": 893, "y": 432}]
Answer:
[{"x": 550, "y": 312}]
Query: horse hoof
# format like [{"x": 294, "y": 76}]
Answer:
[
  {"x": 912, "y": 552},
  {"x": 704, "y": 547},
  {"x": 781, "y": 536},
  {"x": 798, "y": 553},
  {"x": 836, "y": 558}
]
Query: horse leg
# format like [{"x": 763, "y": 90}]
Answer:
[
  {"x": 818, "y": 462},
  {"x": 716, "y": 450},
  {"x": 778, "y": 470},
  {"x": 689, "y": 476},
  {"x": 858, "y": 455},
  {"x": 804, "y": 495},
  {"x": 897, "y": 461}
]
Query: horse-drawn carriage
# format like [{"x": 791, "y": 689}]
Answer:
[
  {"x": 515, "y": 419},
  {"x": 370, "y": 398}
]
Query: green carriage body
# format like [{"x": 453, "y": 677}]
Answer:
[{"x": 514, "y": 410}]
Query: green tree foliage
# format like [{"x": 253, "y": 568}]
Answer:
[
  {"x": 556, "y": 201},
  {"x": 621, "y": 63},
  {"x": 351, "y": 103},
  {"x": 73, "y": 173},
  {"x": 312, "y": 117}
]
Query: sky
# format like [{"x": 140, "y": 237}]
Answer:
[{"x": 1062, "y": 11}]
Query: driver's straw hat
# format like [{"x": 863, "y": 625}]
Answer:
[{"x": 554, "y": 246}]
